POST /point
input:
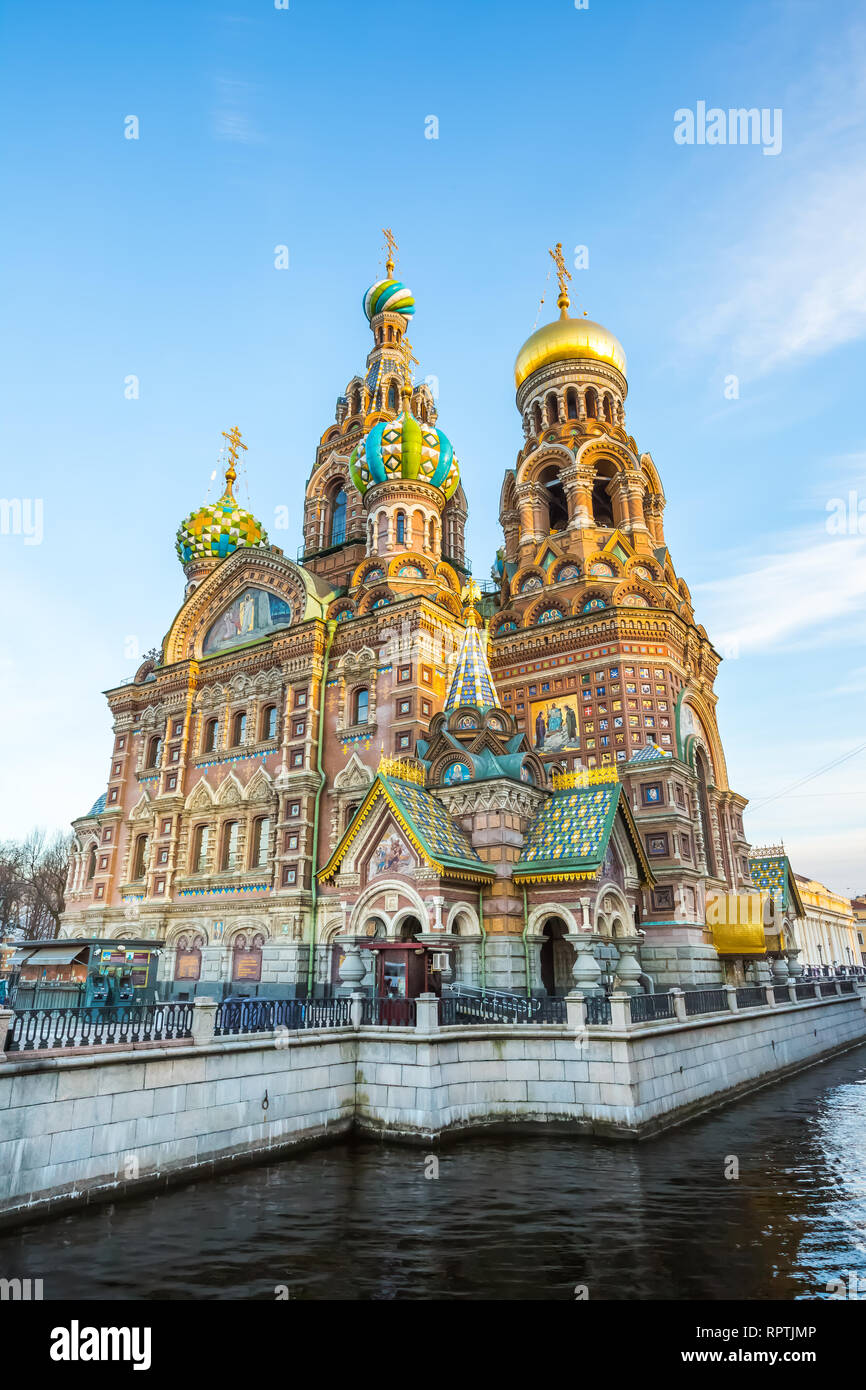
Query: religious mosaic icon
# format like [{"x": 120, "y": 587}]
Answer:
[
  {"x": 555, "y": 725},
  {"x": 254, "y": 614},
  {"x": 390, "y": 856}
]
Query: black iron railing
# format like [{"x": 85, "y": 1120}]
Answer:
[
  {"x": 597, "y": 1008},
  {"x": 827, "y": 987},
  {"x": 806, "y": 990},
  {"x": 551, "y": 1010},
  {"x": 389, "y": 1013},
  {"x": 97, "y": 1026},
  {"x": 847, "y": 986},
  {"x": 706, "y": 1001},
  {"x": 751, "y": 996},
  {"x": 645, "y": 1007},
  {"x": 266, "y": 1015}
]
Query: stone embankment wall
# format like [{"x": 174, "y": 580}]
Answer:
[{"x": 89, "y": 1126}]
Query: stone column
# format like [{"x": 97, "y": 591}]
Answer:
[
  {"x": 628, "y": 967},
  {"x": 203, "y": 1020},
  {"x": 575, "y": 1011},
  {"x": 6, "y": 1017},
  {"x": 780, "y": 971},
  {"x": 352, "y": 970},
  {"x": 679, "y": 999},
  {"x": 795, "y": 965},
  {"x": 732, "y": 998},
  {"x": 427, "y": 1013},
  {"x": 586, "y": 971},
  {"x": 620, "y": 1015}
]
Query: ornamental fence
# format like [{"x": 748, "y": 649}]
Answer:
[
  {"x": 267, "y": 1015},
  {"x": 33, "y": 1030}
]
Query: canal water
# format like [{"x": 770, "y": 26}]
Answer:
[{"x": 513, "y": 1217}]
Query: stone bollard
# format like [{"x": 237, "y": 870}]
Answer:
[
  {"x": 679, "y": 999},
  {"x": 575, "y": 1011},
  {"x": 792, "y": 991},
  {"x": 203, "y": 1019},
  {"x": 771, "y": 995},
  {"x": 732, "y": 998},
  {"x": 620, "y": 1010},
  {"x": 356, "y": 1008},
  {"x": 427, "y": 1013},
  {"x": 6, "y": 1017}
]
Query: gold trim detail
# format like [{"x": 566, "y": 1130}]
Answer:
[{"x": 586, "y": 777}]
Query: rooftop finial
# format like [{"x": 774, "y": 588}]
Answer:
[
  {"x": 563, "y": 275},
  {"x": 392, "y": 247},
  {"x": 234, "y": 438}
]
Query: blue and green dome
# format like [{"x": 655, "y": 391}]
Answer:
[
  {"x": 405, "y": 448},
  {"x": 389, "y": 295},
  {"x": 217, "y": 530}
]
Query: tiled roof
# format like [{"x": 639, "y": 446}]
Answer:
[
  {"x": 650, "y": 753},
  {"x": 773, "y": 874},
  {"x": 571, "y": 832},
  {"x": 99, "y": 805},
  {"x": 439, "y": 839},
  {"x": 472, "y": 683}
]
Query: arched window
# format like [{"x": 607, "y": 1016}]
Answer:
[
  {"x": 269, "y": 722},
  {"x": 557, "y": 506},
  {"x": 602, "y": 506},
  {"x": 536, "y": 417},
  {"x": 704, "y": 806},
  {"x": 356, "y": 402},
  {"x": 608, "y": 409},
  {"x": 261, "y": 842},
  {"x": 338, "y": 517},
  {"x": 401, "y": 528},
  {"x": 211, "y": 729},
  {"x": 591, "y": 404},
  {"x": 383, "y": 533},
  {"x": 351, "y": 810},
  {"x": 418, "y": 529},
  {"x": 200, "y": 839},
  {"x": 361, "y": 706},
  {"x": 139, "y": 858},
  {"x": 153, "y": 751},
  {"x": 239, "y": 729},
  {"x": 392, "y": 397},
  {"x": 571, "y": 409},
  {"x": 229, "y": 856},
  {"x": 432, "y": 534},
  {"x": 91, "y": 864},
  {"x": 552, "y": 409}
]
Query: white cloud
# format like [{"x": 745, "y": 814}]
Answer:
[{"x": 801, "y": 594}]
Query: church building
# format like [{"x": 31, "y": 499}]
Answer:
[{"x": 364, "y": 769}]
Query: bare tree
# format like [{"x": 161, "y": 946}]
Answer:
[{"x": 32, "y": 882}]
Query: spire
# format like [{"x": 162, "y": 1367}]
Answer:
[
  {"x": 563, "y": 275},
  {"x": 234, "y": 438},
  {"x": 392, "y": 247},
  {"x": 472, "y": 682}
]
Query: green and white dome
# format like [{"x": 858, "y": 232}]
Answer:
[{"x": 405, "y": 448}]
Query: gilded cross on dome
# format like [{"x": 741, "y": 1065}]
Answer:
[
  {"x": 234, "y": 438},
  {"x": 392, "y": 247},
  {"x": 563, "y": 275}
]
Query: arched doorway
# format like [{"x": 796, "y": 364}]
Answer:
[{"x": 556, "y": 958}]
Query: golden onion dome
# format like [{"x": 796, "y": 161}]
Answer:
[{"x": 564, "y": 338}]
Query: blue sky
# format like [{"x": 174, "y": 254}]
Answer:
[{"x": 305, "y": 127}]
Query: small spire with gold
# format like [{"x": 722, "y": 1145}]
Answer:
[
  {"x": 234, "y": 443},
  {"x": 392, "y": 247},
  {"x": 563, "y": 275}
]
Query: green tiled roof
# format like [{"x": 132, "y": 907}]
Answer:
[
  {"x": 440, "y": 836},
  {"x": 773, "y": 874}
]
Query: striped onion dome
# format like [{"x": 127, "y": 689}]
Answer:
[
  {"x": 405, "y": 448},
  {"x": 389, "y": 295}
]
